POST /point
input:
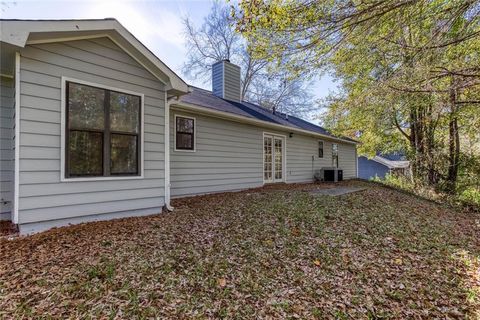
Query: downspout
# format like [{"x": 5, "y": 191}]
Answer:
[{"x": 168, "y": 101}]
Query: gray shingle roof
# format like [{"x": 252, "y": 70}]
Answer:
[{"x": 207, "y": 99}]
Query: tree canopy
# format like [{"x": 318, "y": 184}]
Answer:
[
  {"x": 216, "y": 39},
  {"x": 409, "y": 69}
]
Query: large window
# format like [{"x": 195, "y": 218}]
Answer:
[
  {"x": 184, "y": 133},
  {"x": 102, "y": 132},
  {"x": 335, "y": 155}
]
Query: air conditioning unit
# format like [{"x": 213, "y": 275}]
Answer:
[{"x": 329, "y": 174}]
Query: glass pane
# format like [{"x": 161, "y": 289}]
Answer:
[
  {"x": 320, "y": 149},
  {"x": 85, "y": 153},
  {"x": 124, "y": 112},
  {"x": 184, "y": 125},
  {"x": 278, "y": 158},
  {"x": 85, "y": 107},
  {"x": 123, "y": 154},
  {"x": 184, "y": 141}
]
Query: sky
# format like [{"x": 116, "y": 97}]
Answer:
[{"x": 157, "y": 24}]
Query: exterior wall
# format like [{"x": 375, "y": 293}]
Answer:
[
  {"x": 7, "y": 145},
  {"x": 303, "y": 160},
  {"x": 42, "y": 195},
  {"x": 229, "y": 156},
  {"x": 368, "y": 169}
]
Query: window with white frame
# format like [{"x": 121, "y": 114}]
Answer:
[
  {"x": 102, "y": 132},
  {"x": 184, "y": 133},
  {"x": 320, "y": 149},
  {"x": 335, "y": 155}
]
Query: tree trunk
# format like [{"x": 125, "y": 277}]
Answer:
[{"x": 453, "y": 142}]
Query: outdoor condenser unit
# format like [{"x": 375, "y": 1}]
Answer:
[{"x": 329, "y": 174}]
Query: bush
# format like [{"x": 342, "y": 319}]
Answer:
[{"x": 470, "y": 196}]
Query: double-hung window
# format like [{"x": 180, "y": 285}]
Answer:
[
  {"x": 184, "y": 133},
  {"x": 102, "y": 132}
]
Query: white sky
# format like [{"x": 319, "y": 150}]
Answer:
[{"x": 155, "y": 23}]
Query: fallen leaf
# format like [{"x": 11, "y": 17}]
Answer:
[
  {"x": 222, "y": 282},
  {"x": 317, "y": 263}
]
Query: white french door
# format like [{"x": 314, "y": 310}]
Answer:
[{"x": 273, "y": 159}]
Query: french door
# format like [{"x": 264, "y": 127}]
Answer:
[{"x": 273, "y": 158}]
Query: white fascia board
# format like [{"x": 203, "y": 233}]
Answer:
[
  {"x": 23, "y": 32},
  {"x": 261, "y": 123}
]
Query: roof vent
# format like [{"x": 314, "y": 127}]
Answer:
[{"x": 226, "y": 82}]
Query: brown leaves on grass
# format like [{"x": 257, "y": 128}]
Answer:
[{"x": 277, "y": 253}]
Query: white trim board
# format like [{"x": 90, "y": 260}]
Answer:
[
  {"x": 16, "y": 188},
  {"x": 63, "y": 133}
]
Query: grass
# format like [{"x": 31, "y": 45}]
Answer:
[{"x": 275, "y": 252}]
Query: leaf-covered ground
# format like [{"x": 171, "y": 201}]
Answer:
[{"x": 275, "y": 252}]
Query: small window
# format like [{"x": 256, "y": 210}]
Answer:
[
  {"x": 102, "y": 132},
  {"x": 184, "y": 133},
  {"x": 335, "y": 155},
  {"x": 320, "y": 149}
]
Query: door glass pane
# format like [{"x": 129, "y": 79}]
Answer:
[
  {"x": 278, "y": 159},
  {"x": 267, "y": 169},
  {"x": 123, "y": 154},
  {"x": 124, "y": 112},
  {"x": 85, "y": 107},
  {"x": 85, "y": 153}
]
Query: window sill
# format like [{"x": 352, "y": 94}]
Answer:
[
  {"x": 101, "y": 178},
  {"x": 181, "y": 150}
]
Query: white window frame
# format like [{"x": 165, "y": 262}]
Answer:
[
  {"x": 338, "y": 155},
  {"x": 323, "y": 149},
  {"x": 284, "y": 157},
  {"x": 63, "y": 133},
  {"x": 177, "y": 115}
]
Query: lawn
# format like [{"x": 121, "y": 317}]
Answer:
[{"x": 274, "y": 252}]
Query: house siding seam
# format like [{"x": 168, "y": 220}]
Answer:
[
  {"x": 7, "y": 151},
  {"x": 42, "y": 197},
  {"x": 229, "y": 156}
]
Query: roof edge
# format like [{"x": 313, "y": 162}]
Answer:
[
  {"x": 228, "y": 115},
  {"x": 17, "y": 33}
]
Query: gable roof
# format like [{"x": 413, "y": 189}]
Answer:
[
  {"x": 20, "y": 33},
  {"x": 207, "y": 100}
]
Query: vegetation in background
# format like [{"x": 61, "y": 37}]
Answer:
[
  {"x": 216, "y": 40},
  {"x": 409, "y": 73},
  {"x": 274, "y": 253}
]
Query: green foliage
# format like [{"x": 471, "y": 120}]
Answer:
[
  {"x": 471, "y": 196},
  {"x": 409, "y": 74}
]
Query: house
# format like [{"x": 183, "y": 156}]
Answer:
[
  {"x": 94, "y": 126},
  {"x": 382, "y": 164}
]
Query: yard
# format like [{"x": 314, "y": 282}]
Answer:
[{"x": 274, "y": 252}]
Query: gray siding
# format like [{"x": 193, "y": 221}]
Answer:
[
  {"x": 229, "y": 156},
  {"x": 7, "y": 145},
  {"x": 226, "y": 81},
  {"x": 43, "y": 197},
  {"x": 217, "y": 79}
]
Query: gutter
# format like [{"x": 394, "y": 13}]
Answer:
[{"x": 239, "y": 118}]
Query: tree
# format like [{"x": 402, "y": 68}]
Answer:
[
  {"x": 410, "y": 70},
  {"x": 216, "y": 39}
]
